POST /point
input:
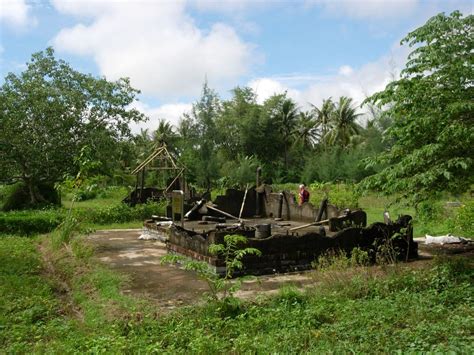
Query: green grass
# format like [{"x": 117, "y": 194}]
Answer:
[
  {"x": 109, "y": 198},
  {"x": 364, "y": 310}
]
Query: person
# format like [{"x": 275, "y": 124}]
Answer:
[{"x": 303, "y": 195}]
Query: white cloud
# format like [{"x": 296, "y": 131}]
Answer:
[
  {"x": 156, "y": 44},
  {"x": 266, "y": 87},
  {"x": 16, "y": 14},
  {"x": 367, "y": 9},
  {"x": 357, "y": 83},
  {"x": 346, "y": 70},
  {"x": 230, "y": 6},
  {"x": 168, "y": 112}
]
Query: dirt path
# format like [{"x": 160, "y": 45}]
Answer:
[{"x": 170, "y": 286}]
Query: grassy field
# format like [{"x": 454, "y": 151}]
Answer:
[
  {"x": 61, "y": 301},
  {"x": 57, "y": 299}
]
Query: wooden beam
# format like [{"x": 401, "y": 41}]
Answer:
[
  {"x": 309, "y": 225},
  {"x": 147, "y": 160}
]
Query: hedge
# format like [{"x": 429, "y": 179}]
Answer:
[
  {"x": 30, "y": 222},
  {"x": 35, "y": 222}
]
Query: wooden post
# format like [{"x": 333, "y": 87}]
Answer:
[
  {"x": 142, "y": 184},
  {"x": 243, "y": 201}
]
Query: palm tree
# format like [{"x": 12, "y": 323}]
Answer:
[
  {"x": 307, "y": 129},
  {"x": 324, "y": 118},
  {"x": 344, "y": 124},
  {"x": 164, "y": 134},
  {"x": 287, "y": 117}
]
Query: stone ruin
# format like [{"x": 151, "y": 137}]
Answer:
[{"x": 290, "y": 237}]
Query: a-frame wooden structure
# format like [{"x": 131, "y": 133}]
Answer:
[{"x": 165, "y": 163}]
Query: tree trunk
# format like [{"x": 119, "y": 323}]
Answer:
[{"x": 31, "y": 191}]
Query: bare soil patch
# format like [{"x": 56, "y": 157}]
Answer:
[{"x": 170, "y": 286}]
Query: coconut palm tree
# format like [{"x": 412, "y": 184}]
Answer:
[
  {"x": 307, "y": 131},
  {"x": 287, "y": 120},
  {"x": 344, "y": 124},
  {"x": 324, "y": 118},
  {"x": 164, "y": 134}
]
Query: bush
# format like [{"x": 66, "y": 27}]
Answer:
[
  {"x": 340, "y": 195},
  {"x": 30, "y": 222},
  {"x": 18, "y": 197},
  {"x": 120, "y": 213},
  {"x": 428, "y": 211},
  {"x": 463, "y": 220}
]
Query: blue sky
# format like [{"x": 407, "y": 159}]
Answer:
[{"x": 312, "y": 49}]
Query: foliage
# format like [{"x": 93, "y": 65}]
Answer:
[
  {"x": 119, "y": 213},
  {"x": 431, "y": 107},
  {"x": 199, "y": 148},
  {"x": 340, "y": 195},
  {"x": 338, "y": 260},
  {"x": 423, "y": 309},
  {"x": 463, "y": 220},
  {"x": 18, "y": 198},
  {"x": 343, "y": 123},
  {"x": 30, "y": 222},
  {"x": 50, "y": 112},
  {"x": 221, "y": 288},
  {"x": 241, "y": 172}
]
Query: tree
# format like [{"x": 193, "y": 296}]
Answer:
[
  {"x": 237, "y": 123},
  {"x": 307, "y": 129},
  {"x": 343, "y": 123},
  {"x": 286, "y": 119},
  {"x": 324, "y": 117},
  {"x": 50, "y": 112},
  {"x": 199, "y": 153},
  {"x": 165, "y": 133},
  {"x": 432, "y": 110}
]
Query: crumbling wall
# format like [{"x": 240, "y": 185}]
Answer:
[
  {"x": 231, "y": 202},
  {"x": 291, "y": 210},
  {"x": 283, "y": 252}
]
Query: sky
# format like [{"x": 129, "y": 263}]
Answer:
[{"x": 312, "y": 49}]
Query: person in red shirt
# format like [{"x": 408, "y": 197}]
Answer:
[{"x": 303, "y": 195}]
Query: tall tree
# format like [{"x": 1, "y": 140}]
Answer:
[
  {"x": 432, "y": 109},
  {"x": 238, "y": 118},
  {"x": 324, "y": 116},
  {"x": 165, "y": 133},
  {"x": 202, "y": 159},
  {"x": 344, "y": 125},
  {"x": 286, "y": 118},
  {"x": 307, "y": 129},
  {"x": 50, "y": 112}
]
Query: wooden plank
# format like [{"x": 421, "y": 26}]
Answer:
[
  {"x": 309, "y": 225},
  {"x": 222, "y": 212}
]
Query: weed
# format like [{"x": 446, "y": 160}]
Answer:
[{"x": 221, "y": 289}]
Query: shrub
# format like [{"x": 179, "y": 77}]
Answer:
[
  {"x": 18, "y": 197},
  {"x": 120, "y": 213},
  {"x": 428, "y": 211},
  {"x": 340, "y": 195},
  {"x": 463, "y": 220},
  {"x": 30, "y": 222}
]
